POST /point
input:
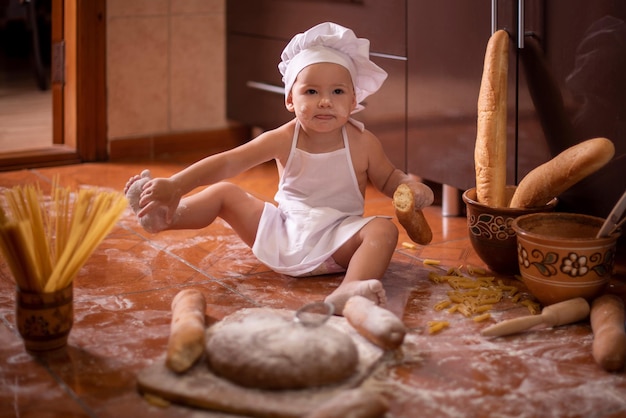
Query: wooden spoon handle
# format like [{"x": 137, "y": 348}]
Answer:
[{"x": 512, "y": 326}]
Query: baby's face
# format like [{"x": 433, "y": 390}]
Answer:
[{"x": 322, "y": 96}]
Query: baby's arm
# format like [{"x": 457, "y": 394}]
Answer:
[
  {"x": 386, "y": 177},
  {"x": 212, "y": 169}
]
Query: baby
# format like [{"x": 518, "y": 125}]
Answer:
[{"x": 324, "y": 159}]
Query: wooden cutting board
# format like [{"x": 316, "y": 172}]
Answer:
[{"x": 200, "y": 388}]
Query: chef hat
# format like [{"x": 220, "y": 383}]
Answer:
[{"x": 330, "y": 42}]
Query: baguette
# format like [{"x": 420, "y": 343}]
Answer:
[
  {"x": 490, "y": 147},
  {"x": 552, "y": 178},
  {"x": 609, "y": 337},
  {"x": 186, "y": 342},
  {"x": 411, "y": 219},
  {"x": 379, "y": 325}
]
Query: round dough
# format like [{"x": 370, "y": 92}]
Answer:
[{"x": 265, "y": 349}]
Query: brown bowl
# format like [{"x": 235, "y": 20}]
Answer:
[
  {"x": 560, "y": 257},
  {"x": 490, "y": 230}
]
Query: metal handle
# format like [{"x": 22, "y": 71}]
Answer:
[
  {"x": 265, "y": 87},
  {"x": 520, "y": 24},
  {"x": 494, "y": 16}
]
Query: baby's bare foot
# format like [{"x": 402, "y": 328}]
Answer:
[
  {"x": 371, "y": 289},
  {"x": 153, "y": 221}
]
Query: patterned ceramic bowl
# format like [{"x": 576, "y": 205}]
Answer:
[
  {"x": 560, "y": 257},
  {"x": 490, "y": 230}
]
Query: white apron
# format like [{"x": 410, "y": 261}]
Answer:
[{"x": 319, "y": 208}]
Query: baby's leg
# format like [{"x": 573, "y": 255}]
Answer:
[
  {"x": 367, "y": 256},
  {"x": 228, "y": 201},
  {"x": 239, "y": 209},
  {"x": 154, "y": 221}
]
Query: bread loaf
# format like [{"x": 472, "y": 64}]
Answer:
[
  {"x": 490, "y": 147},
  {"x": 554, "y": 177},
  {"x": 411, "y": 219},
  {"x": 186, "y": 342},
  {"x": 265, "y": 349},
  {"x": 379, "y": 325}
]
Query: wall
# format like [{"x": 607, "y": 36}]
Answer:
[{"x": 165, "y": 67}]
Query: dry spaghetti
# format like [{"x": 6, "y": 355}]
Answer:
[{"x": 47, "y": 241}]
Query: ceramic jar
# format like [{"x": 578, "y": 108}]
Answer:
[{"x": 44, "y": 320}]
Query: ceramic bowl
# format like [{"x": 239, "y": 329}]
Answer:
[
  {"x": 560, "y": 257},
  {"x": 490, "y": 230}
]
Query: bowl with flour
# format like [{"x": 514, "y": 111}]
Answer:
[{"x": 560, "y": 257}]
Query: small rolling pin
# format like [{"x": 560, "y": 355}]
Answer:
[{"x": 561, "y": 313}]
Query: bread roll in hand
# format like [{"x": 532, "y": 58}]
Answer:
[{"x": 410, "y": 215}]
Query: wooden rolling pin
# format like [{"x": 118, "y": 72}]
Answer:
[
  {"x": 379, "y": 325},
  {"x": 561, "y": 313}
]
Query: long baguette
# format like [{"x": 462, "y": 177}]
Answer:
[
  {"x": 411, "y": 219},
  {"x": 552, "y": 178},
  {"x": 609, "y": 337},
  {"x": 186, "y": 342},
  {"x": 490, "y": 148}
]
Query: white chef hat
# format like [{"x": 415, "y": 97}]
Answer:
[{"x": 330, "y": 42}]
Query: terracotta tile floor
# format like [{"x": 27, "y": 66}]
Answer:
[{"x": 122, "y": 317}]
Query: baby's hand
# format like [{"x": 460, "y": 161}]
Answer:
[
  {"x": 159, "y": 193},
  {"x": 423, "y": 195}
]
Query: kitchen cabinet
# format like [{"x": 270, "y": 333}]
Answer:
[
  {"x": 445, "y": 67},
  {"x": 445, "y": 71},
  {"x": 566, "y": 85},
  {"x": 443, "y": 82},
  {"x": 425, "y": 113},
  {"x": 573, "y": 64}
]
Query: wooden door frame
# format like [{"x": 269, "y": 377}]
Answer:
[{"x": 79, "y": 103}]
